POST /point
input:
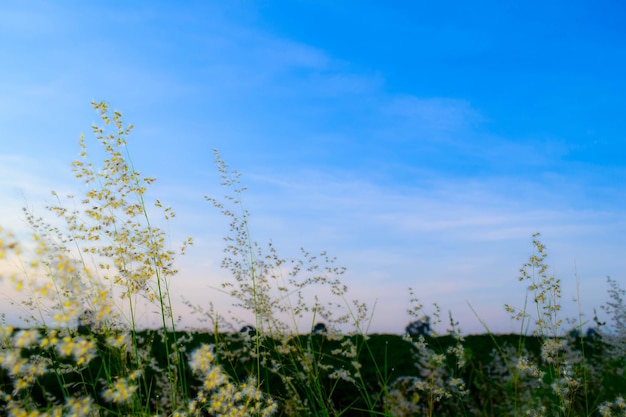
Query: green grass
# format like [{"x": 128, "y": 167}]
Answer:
[{"x": 83, "y": 353}]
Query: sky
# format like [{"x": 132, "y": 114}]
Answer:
[{"x": 421, "y": 143}]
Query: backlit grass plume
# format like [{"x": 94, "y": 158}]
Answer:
[{"x": 82, "y": 278}]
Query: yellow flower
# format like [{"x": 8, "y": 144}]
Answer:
[
  {"x": 25, "y": 338},
  {"x": 120, "y": 392}
]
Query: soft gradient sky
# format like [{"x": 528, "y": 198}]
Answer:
[{"x": 420, "y": 142}]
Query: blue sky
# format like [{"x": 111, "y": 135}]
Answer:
[{"x": 422, "y": 143}]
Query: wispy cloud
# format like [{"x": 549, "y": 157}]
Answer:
[{"x": 452, "y": 246}]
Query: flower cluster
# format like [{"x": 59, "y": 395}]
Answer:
[{"x": 219, "y": 396}]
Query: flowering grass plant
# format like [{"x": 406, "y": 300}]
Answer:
[{"x": 87, "y": 270}]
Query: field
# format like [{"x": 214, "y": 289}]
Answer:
[
  {"x": 84, "y": 353},
  {"x": 394, "y": 376}
]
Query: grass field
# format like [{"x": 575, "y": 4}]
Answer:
[{"x": 84, "y": 353}]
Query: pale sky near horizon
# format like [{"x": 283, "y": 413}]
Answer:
[{"x": 422, "y": 143}]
